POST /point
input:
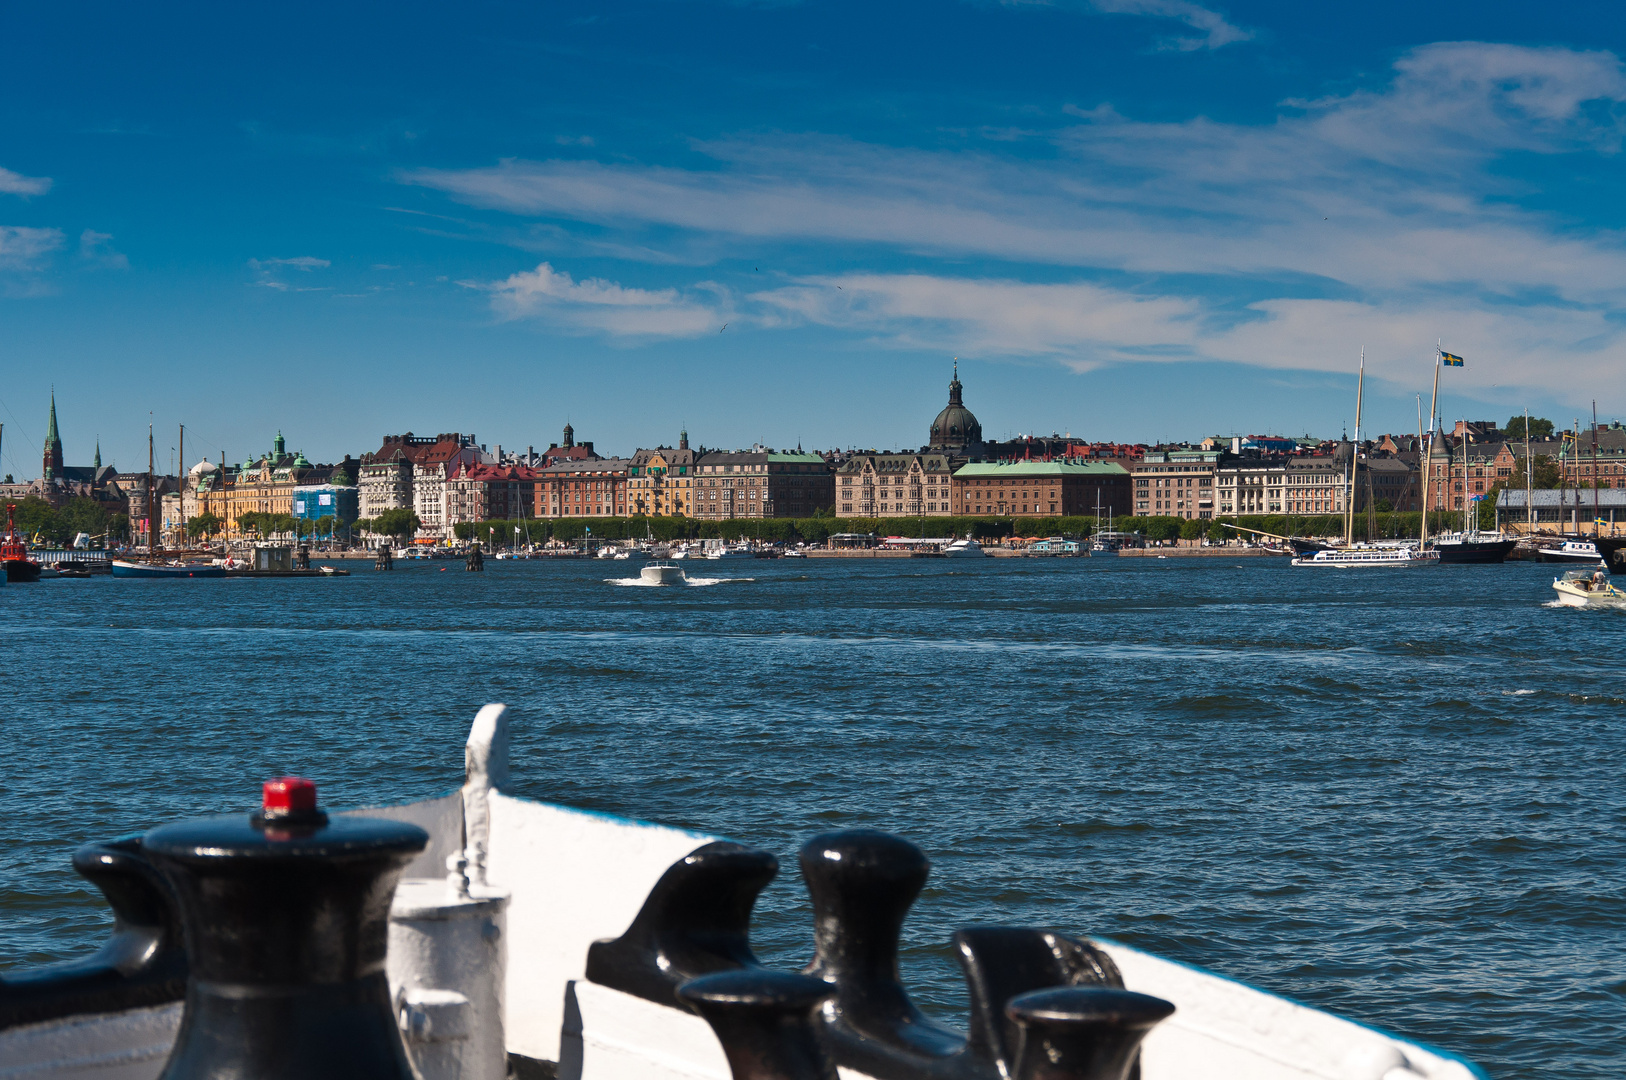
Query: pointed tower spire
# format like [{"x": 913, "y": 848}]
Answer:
[
  {"x": 53, "y": 443},
  {"x": 97, "y": 463}
]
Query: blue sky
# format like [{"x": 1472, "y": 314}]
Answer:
[{"x": 1129, "y": 219}]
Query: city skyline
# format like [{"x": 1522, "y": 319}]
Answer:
[{"x": 1130, "y": 221}]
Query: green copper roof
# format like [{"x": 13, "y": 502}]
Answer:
[
  {"x": 1020, "y": 469},
  {"x": 811, "y": 459}
]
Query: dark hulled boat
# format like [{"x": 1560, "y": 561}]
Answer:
[
  {"x": 14, "y": 551},
  {"x": 1474, "y": 548}
]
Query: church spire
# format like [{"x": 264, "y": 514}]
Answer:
[
  {"x": 97, "y": 464},
  {"x": 53, "y": 443}
]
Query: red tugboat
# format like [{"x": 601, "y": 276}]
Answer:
[{"x": 14, "y": 551}]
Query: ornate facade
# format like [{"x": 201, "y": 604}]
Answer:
[
  {"x": 660, "y": 482},
  {"x": 895, "y": 485}
]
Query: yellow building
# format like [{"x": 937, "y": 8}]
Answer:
[
  {"x": 264, "y": 486},
  {"x": 660, "y": 482}
]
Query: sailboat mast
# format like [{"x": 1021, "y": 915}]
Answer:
[
  {"x": 1594, "y": 468},
  {"x": 1354, "y": 457},
  {"x": 1433, "y": 411},
  {"x": 1529, "y": 479},
  {"x": 1422, "y": 534},
  {"x": 180, "y": 475},
  {"x": 152, "y": 520}
]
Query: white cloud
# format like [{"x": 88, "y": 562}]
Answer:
[
  {"x": 1216, "y": 31},
  {"x": 1388, "y": 214},
  {"x": 594, "y": 304},
  {"x": 1087, "y": 325},
  {"x": 23, "y": 249},
  {"x": 12, "y": 183},
  {"x": 306, "y": 263},
  {"x": 97, "y": 247}
]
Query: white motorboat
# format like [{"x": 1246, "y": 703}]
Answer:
[
  {"x": 1588, "y": 588},
  {"x": 737, "y": 551},
  {"x": 1362, "y": 555},
  {"x": 658, "y": 573},
  {"x": 1571, "y": 551},
  {"x": 965, "y": 549}
]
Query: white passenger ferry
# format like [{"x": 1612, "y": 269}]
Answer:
[{"x": 1370, "y": 556}]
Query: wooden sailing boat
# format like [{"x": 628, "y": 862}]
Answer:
[{"x": 158, "y": 563}]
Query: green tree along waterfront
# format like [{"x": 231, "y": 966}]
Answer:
[{"x": 42, "y": 523}]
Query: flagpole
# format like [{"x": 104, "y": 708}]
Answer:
[{"x": 1428, "y": 475}]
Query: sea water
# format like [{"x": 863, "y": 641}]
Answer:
[{"x": 1395, "y": 794}]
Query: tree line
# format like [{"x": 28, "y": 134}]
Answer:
[{"x": 43, "y": 523}]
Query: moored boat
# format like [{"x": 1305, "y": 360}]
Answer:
[
  {"x": 1570, "y": 551},
  {"x": 1474, "y": 547},
  {"x": 1361, "y": 556},
  {"x": 965, "y": 549},
  {"x": 132, "y": 568},
  {"x": 14, "y": 552}
]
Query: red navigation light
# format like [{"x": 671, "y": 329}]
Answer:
[{"x": 288, "y": 795}]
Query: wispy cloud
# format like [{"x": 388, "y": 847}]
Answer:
[
  {"x": 1086, "y": 326},
  {"x": 13, "y": 183},
  {"x": 1387, "y": 207},
  {"x": 1214, "y": 30},
  {"x": 594, "y": 304},
  {"x": 97, "y": 248},
  {"x": 298, "y": 262},
  {"x": 24, "y": 249}
]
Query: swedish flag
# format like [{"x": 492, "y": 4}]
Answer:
[{"x": 1450, "y": 360}]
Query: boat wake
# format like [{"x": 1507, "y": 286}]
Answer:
[{"x": 694, "y": 581}]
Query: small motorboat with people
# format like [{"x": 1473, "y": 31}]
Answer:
[
  {"x": 1359, "y": 556},
  {"x": 1570, "y": 551},
  {"x": 1587, "y": 588},
  {"x": 14, "y": 551},
  {"x": 1474, "y": 548},
  {"x": 662, "y": 573}
]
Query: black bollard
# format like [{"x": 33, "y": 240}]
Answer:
[
  {"x": 303, "y": 562},
  {"x": 1001, "y": 962},
  {"x": 385, "y": 560},
  {"x": 696, "y": 921},
  {"x": 286, "y": 917},
  {"x": 1083, "y": 1033},
  {"x": 765, "y": 1021},
  {"x": 862, "y": 883},
  {"x": 477, "y": 559}
]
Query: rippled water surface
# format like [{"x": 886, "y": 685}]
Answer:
[{"x": 1396, "y": 794}]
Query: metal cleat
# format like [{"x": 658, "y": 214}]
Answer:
[
  {"x": 696, "y": 921},
  {"x": 142, "y": 964}
]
